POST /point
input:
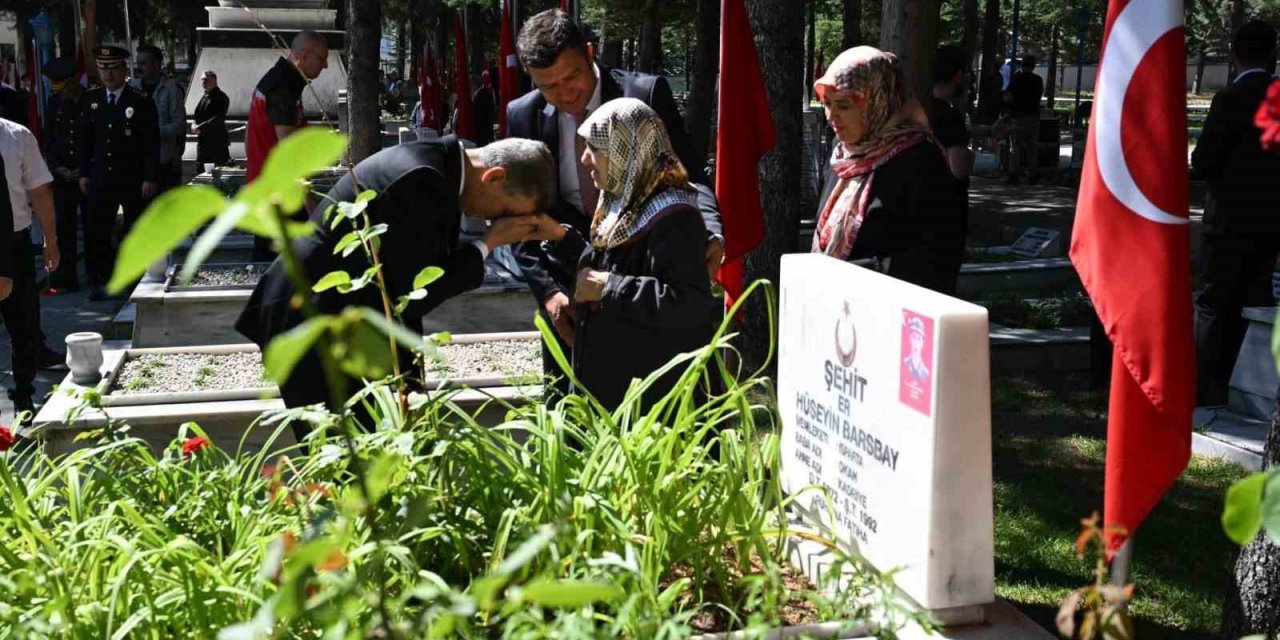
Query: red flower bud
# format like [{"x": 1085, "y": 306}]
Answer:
[
  {"x": 6, "y": 438},
  {"x": 192, "y": 445},
  {"x": 1268, "y": 118}
]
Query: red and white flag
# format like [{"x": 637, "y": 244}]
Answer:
[
  {"x": 430, "y": 95},
  {"x": 464, "y": 122},
  {"x": 744, "y": 134},
  {"x": 508, "y": 68},
  {"x": 1131, "y": 246}
]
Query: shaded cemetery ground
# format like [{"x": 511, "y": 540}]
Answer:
[{"x": 1049, "y": 447}]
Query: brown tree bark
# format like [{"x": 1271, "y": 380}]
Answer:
[
  {"x": 988, "y": 70},
  {"x": 364, "y": 31},
  {"x": 810, "y": 58},
  {"x": 1051, "y": 82},
  {"x": 706, "y": 68},
  {"x": 779, "y": 35},
  {"x": 909, "y": 28},
  {"x": 852, "y": 24},
  {"x": 1253, "y": 596},
  {"x": 971, "y": 23},
  {"x": 650, "y": 56}
]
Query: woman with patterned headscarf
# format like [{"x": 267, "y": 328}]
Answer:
[
  {"x": 889, "y": 201},
  {"x": 642, "y": 294}
]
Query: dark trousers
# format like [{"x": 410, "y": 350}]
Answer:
[
  {"x": 556, "y": 384},
  {"x": 168, "y": 175},
  {"x": 68, "y": 201},
  {"x": 21, "y": 313},
  {"x": 1237, "y": 274},
  {"x": 100, "y": 227}
]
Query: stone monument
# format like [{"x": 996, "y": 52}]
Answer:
[
  {"x": 245, "y": 37},
  {"x": 884, "y": 391}
]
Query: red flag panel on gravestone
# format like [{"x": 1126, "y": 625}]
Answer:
[
  {"x": 464, "y": 124},
  {"x": 1131, "y": 246},
  {"x": 745, "y": 133},
  {"x": 508, "y": 68}
]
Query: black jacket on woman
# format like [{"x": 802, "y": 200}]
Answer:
[
  {"x": 914, "y": 226},
  {"x": 656, "y": 306}
]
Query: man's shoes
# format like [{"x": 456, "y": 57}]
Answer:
[
  {"x": 52, "y": 360},
  {"x": 97, "y": 294},
  {"x": 23, "y": 403},
  {"x": 1033, "y": 179},
  {"x": 1011, "y": 180}
]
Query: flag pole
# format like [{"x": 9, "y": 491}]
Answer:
[{"x": 1122, "y": 564}]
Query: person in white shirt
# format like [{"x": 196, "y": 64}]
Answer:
[{"x": 28, "y": 191}]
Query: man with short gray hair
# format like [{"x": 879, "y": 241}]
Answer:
[{"x": 422, "y": 188}]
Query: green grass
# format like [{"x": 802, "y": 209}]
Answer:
[{"x": 1049, "y": 453}]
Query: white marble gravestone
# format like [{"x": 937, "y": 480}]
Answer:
[{"x": 884, "y": 390}]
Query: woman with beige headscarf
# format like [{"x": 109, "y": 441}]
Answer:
[
  {"x": 889, "y": 200},
  {"x": 642, "y": 294}
]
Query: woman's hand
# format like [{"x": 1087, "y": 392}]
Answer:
[{"x": 590, "y": 287}]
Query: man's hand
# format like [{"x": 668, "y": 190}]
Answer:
[
  {"x": 509, "y": 230},
  {"x": 148, "y": 190},
  {"x": 6, "y": 287},
  {"x": 84, "y": 185},
  {"x": 560, "y": 310},
  {"x": 590, "y": 286},
  {"x": 51, "y": 254},
  {"x": 714, "y": 257}
]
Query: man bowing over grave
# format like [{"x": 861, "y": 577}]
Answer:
[
  {"x": 570, "y": 86},
  {"x": 423, "y": 187}
]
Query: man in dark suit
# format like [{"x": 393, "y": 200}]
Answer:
[
  {"x": 569, "y": 85},
  {"x": 119, "y": 154},
  {"x": 423, "y": 187},
  {"x": 210, "y": 123},
  {"x": 1241, "y": 228},
  {"x": 62, "y": 117}
]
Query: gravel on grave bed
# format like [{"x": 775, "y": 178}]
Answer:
[
  {"x": 516, "y": 358},
  {"x": 225, "y": 276},
  {"x": 188, "y": 372}
]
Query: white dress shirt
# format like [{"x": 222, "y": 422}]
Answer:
[
  {"x": 24, "y": 169},
  {"x": 569, "y": 188}
]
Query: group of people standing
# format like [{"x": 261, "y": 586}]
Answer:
[{"x": 606, "y": 201}]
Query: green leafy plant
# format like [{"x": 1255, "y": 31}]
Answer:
[{"x": 567, "y": 520}]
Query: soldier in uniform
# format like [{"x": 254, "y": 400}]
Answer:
[
  {"x": 61, "y": 119},
  {"x": 119, "y": 152}
]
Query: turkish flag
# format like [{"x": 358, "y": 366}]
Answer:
[
  {"x": 1131, "y": 246},
  {"x": 564, "y": 6},
  {"x": 508, "y": 68},
  {"x": 464, "y": 123},
  {"x": 429, "y": 92},
  {"x": 744, "y": 135}
]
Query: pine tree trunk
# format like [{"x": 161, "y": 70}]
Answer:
[
  {"x": 364, "y": 31},
  {"x": 811, "y": 17},
  {"x": 909, "y": 28},
  {"x": 475, "y": 43},
  {"x": 852, "y": 24},
  {"x": 650, "y": 60},
  {"x": 1201, "y": 61},
  {"x": 971, "y": 23},
  {"x": 402, "y": 46},
  {"x": 1253, "y": 595},
  {"x": 779, "y": 31},
  {"x": 706, "y": 68},
  {"x": 1051, "y": 81},
  {"x": 988, "y": 71}
]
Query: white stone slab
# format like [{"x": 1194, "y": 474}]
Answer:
[
  {"x": 1037, "y": 242},
  {"x": 897, "y": 427}
]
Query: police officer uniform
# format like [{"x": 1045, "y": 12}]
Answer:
[
  {"x": 118, "y": 138},
  {"x": 61, "y": 119}
]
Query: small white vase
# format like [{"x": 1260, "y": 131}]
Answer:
[{"x": 84, "y": 357}]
